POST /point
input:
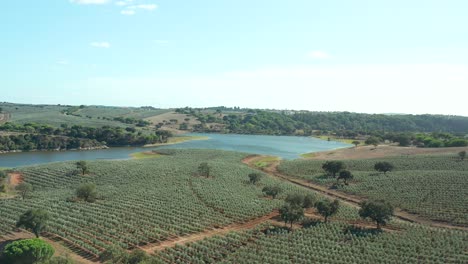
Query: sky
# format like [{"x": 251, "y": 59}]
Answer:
[{"x": 371, "y": 56}]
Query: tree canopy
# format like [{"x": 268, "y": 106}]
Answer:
[
  {"x": 272, "y": 191},
  {"x": 28, "y": 251},
  {"x": 383, "y": 166},
  {"x": 327, "y": 208},
  {"x": 333, "y": 167},
  {"x": 254, "y": 177},
  {"x": 290, "y": 213},
  {"x": 379, "y": 211},
  {"x": 34, "y": 220},
  {"x": 82, "y": 166},
  {"x": 87, "y": 192},
  {"x": 24, "y": 189}
]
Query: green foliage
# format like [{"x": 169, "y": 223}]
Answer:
[
  {"x": 87, "y": 192},
  {"x": 462, "y": 154},
  {"x": 204, "y": 169},
  {"x": 379, "y": 211},
  {"x": 272, "y": 191},
  {"x": 34, "y": 220},
  {"x": 300, "y": 200},
  {"x": 383, "y": 166},
  {"x": 291, "y": 213},
  {"x": 28, "y": 251},
  {"x": 327, "y": 208},
  {"x": 333, "y": 167},
  {"x": 356, "y": 143},
  {"x": 254, "y": 177},
  {"x": 83, "y": 167},
  {"x": 373, "y": 141},
  {"x": 345, "y": 175},
  {"x": 24, "y": 189}
]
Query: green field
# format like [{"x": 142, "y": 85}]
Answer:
[
  {"x": 325, "y": 243},
  {"x": 431, "y": 186},
  {"x": 145, "y": 200},
  {"x": 149, "y": 201},
  {"x": 90, "y": 116}
]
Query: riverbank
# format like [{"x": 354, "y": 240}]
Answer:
[{"x": 53, "y": 150}]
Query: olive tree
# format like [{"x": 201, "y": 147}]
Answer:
[
  {"x": 327, "y": 208},
  {"x": 272, "y": 191},
  {"x": 34, "y": 220},
  {"x": 290, "y": 213},
  {"x": 333, "y": 167},
  {"x": 462, "y": 155},
  {"x": 379, "y": 211},
  {"x": 24, "y": 189},
  {"x": 254, "y": 177},
  {"x": 383, "y": 166},
  {"x": 87, "y": 192},
  {"x": 82, "y": 166},
  {"x": 345, "y": 175},
  {"x": 204, "y": 169}
]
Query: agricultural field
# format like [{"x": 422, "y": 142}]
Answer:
[
  {"x": 89, "y": 116},
  {"x": 143, "y": 201},
  {"x": 325, "y": 243},
  {"x": 432, "y": 186}
]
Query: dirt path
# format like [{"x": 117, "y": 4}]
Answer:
[
  {"x": 352, "y": 200},
  {"x": 208, "y": 233},
  {"x": 60, "y": 250}
]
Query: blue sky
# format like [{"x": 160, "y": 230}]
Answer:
[{"x": 350, "y": 55}]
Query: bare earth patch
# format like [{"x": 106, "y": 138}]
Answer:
[
  {"x": 15, "y": 178},
  {"x": 371, "y": 152}
]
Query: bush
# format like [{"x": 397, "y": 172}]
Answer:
[{"x": 27, "y": 251}]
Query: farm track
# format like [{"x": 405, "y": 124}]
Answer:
[
  {"x": 209, "y": 233},
  {"x": 352, "y": 200}
]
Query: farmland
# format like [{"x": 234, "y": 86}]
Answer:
[
  {"x": 144, "y": 203},
  {"x": 90, "y": 116},
  {"x": 433, "y": 186}
]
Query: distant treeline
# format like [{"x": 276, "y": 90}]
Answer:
[
  {"x": 366, "y": 123},
  {"x": 44, "y": 137},
  {"x": 290, "y": 122}
]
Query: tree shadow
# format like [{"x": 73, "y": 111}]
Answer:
[{"x": 309, "y": 223}]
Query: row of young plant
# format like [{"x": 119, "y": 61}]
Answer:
[{"x": 432, "y": 186}]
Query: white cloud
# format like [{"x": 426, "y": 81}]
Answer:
[
  {"x": 121, "y": 3},
  {"x": 102, "y": 44},
  {"x": 90, "y": 2},
  {"x": 127, "y": 12},
  {"x": 318, "y": 54},
  {"x": 130, "y": 10}
]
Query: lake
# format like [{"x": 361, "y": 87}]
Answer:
[{"x": 286, "y": 147}]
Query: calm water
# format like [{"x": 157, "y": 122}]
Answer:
[{"x": 287, "y": 147}]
